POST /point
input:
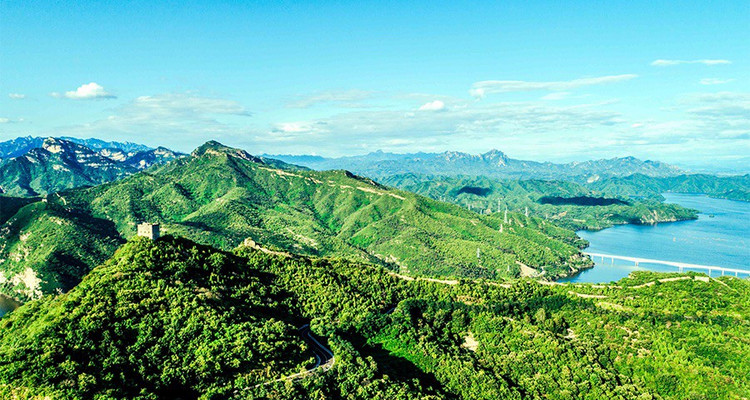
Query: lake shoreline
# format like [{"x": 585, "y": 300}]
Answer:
[
  {"x": 8, "y": 304},
  {"x": 717, "y": 238}
]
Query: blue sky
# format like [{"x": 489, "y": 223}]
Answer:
[{"x": 543, "y": 80}]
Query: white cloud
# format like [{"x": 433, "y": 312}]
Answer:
[
  {"x": 435, "y": 105},
  {"x": 86, "y": 91},
  {"x": 556, "y": 96},
  {"x": 346, "y": 97},
  {"x": 16, "y": 96},
  {"x": 4, "y": 120},
  {"x": 668, "y": 63},
  {"x": 184, "y": 104},
  {"x": 480, "y": 89},
  {"x": 478, "y": 124},
  {"x": 714, "y": 81}
]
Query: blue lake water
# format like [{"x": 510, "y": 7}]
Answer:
[
  {"x": 7, "y": 304},
  {"x": 719, "y": 237}
]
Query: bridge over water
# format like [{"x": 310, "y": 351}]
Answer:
[{"x": 680, "y": 265}]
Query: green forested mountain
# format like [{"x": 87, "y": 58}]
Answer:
[
  {"x": 564, "y": 203},
  {"x": 321, "y": 213},
  {"x": 222, "y": 196},
  {"x": 170, "y": 319},
  {"x": 60, "y": 164},
  {"x": 724, "y": 187}
]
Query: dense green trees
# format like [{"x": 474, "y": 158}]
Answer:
[{"x": 171, "y": 318}]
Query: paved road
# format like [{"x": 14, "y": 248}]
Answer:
[
  {"x": 323, "y": 355},
  {"x": 324, "y": 358}
]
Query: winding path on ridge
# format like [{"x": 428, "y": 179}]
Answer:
[{"x": 324, "y": 358}]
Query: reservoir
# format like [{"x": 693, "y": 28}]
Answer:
[
  {"x": 7, "y": 304},
  {"x": 719, "y": 237}
]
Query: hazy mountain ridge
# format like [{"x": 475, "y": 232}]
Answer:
[
  {"x": 59, "y": 164},
  {"x": 493, "y": 163},
  {"x": 621, "y": 176}
]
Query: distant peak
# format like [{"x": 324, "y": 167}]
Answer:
[
  {"x": 496, "y": 156},
  {"x": 56, "y": 145},
  {"x": 213, "y": 147},
  {"x": 494, "y": 153}
]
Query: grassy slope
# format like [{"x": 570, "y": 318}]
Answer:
[
  {"x": 681, "y": 339},
  {"x": 9, "y": 206}
]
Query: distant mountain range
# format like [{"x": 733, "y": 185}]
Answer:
[
  {"x": 494, "y": 163},
  {"x": 57, "y": 164},
  {"x": 21, "y": 145},
  {"x": 623, "y": 176}
]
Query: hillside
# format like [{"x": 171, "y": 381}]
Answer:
[
  {"x": 174, "y": 319},
  {"x": 61, "y": 164},
  {"x": 157, "y": 320},
  {"x": 494, "y": 164},
  {"x": 724, "y": 187},
  {"x": 330, "y": 213},
  {"x": 44, "y": 248},
  {"x": 566, "y": 204}
]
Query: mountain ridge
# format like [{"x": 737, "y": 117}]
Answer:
[
  {"x": 493, "y": 163},
  {"x": 59, "y": 164},
  {"x": 22, "y": 144}
]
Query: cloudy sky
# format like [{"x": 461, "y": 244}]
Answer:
[{"x": 541, "y": 80}]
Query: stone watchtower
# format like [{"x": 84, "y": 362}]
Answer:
[{"x": 150, "y": 231}]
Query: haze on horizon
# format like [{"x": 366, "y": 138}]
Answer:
[{"x": 536, "y": 80}]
